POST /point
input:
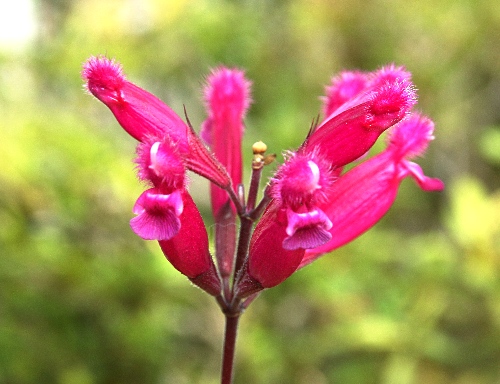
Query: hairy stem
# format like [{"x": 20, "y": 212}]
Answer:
[
  {"x": 241, "y": 254},
  {"x": 229, "y": 348},
  {"x": 254, "y": 188}
]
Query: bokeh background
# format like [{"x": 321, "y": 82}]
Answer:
[{"x": 84, "y": 301}]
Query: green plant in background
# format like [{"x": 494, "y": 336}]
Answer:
[{"x": 78, "y": 305}]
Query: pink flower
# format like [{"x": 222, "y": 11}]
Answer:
[
  {"x": 147, "y": 118},
  {"x": 311, "y": 206},
  {"x": 158, "y": 209},
  {"x": 363, "y": 195},
  {"x": 227, "y": 97},
  {"x": 167, "y": 147},
  {"x": 317, "y": 208},
  {"x": 344, "y": 87},
  {"x": 139, "y": 112}
]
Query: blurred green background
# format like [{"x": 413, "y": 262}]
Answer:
[{"x": 84, "y": 301}]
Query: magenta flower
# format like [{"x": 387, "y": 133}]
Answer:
[
  {"x": 227, "y": 98},
  {"x": 148, "y": 119},
  {"x": 140, "y": 113},
  {"x": 167, "y": 147},
  {"x": 310, "y": 206},
  {"x": 159, "y": 208},
  {"x": 316, "y": 208}
]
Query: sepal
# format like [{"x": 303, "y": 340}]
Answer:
[
  {"x": 201, "y": 161},
  {"x": 209, "y": 281},
  {"x": 246, "y": 285}
]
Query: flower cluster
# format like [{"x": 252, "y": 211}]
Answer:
[{"x": 310, "y": 206}]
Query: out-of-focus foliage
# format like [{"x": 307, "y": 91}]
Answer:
[{"x": 83, "y": 301}]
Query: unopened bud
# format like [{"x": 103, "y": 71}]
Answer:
[{"x": 259, "y": 148}]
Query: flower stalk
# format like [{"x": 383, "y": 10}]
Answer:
[
  {"x": 230, "y": 334},
  {"x": 310, "y": 206}
]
